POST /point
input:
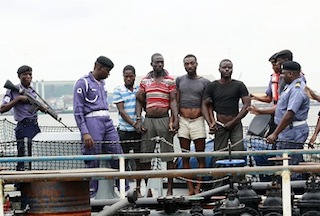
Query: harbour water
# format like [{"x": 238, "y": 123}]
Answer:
[{"x": 68, "y": 119}]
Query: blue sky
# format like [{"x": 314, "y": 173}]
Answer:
[{"x": 61, "y": 39}]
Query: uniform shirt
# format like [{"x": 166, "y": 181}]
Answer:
[
  {"x": 191, "y": 91},
  {"x": 123, "y": 94},
  {"x": 21, "y": 110},
  {"x": 295, "y": 99},
  {"x": 89, "y": 95},
  {"x": 158, "y": 94}
]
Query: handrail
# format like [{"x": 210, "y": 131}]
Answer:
[{"x": 158, "y": 155}]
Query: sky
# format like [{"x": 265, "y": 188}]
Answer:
[{"x": 61, "y": 39}]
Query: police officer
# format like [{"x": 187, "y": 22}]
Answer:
[
  {"x": 291, "y": 113},
  {"x": 27, "y": 125},
  {"x": 92, "y": 117}
]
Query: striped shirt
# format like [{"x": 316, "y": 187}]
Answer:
[
  {"x": 123, "y": 94},
  {"x": 158, "y": 94}
]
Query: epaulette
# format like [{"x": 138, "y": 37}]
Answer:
[{"x": 297, "y": 85}]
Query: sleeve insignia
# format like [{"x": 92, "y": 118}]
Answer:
[{"x": 79, "y": 90}]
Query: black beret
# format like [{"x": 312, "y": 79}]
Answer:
[
  {"x": 273, "y": 58},
  {"x": 24, "y": 68},
  {"x": 284, "y": 54},
  {"x": 105, "y": 62},
  {"x": 291, "y": 66}
]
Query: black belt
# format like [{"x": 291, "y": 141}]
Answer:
[{"x": 28, "y": 121}]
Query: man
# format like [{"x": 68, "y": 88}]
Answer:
[
  {"x": 272, "y": 92},
  {"x": 316, "y": 97},
  {"x": 27, "y": 126},
  {"x": 124, "y": 96},
  {"x": 92, "y": 117},
  {"x": 222, "y": 96},
  {"x": 291, "y": 114},
  {"x": 190, "y": 89},
  {"x": 158, "y": 95}
]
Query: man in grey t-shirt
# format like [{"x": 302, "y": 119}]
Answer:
[{"x": 190, "y": 88}]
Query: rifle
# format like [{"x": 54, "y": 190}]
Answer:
[{"x": 36, "y": 104}]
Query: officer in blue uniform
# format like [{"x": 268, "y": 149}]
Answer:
[
  {"x": 27, "y": 126},
  {"x": 92, "y": 117},
  {"x": 291, "y": 113}
]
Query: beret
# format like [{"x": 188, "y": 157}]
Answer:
[
  {"x": 24, "y": 68},
  {"x": 105, "y": 61},
  {"x": 273, "y": 58},
  {"x": 284, "y": 54},
  {"x": 291, "y": 66}
]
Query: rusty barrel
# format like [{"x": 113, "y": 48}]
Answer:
[{"x": 57, "y": 198}]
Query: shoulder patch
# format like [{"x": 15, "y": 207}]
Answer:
[
  {"x": 297, "y": 85},
  {"x": 79, "y": 90}
]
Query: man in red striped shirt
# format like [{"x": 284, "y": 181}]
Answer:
[{"x": 157, "y": 94}]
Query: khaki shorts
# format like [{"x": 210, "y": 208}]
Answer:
[{"x": 192, "y": 129}]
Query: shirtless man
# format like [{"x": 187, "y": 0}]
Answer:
[
  {"x": 190, "y": 89},
  {"x": 222, "y": 96},
  {"x": 158, "y": 95}
]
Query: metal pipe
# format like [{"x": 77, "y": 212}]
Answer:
[
  {"x": 160, "y": 155},
  {"x": 122, "y": 181},
  {"x": 27, "y": 176},
  {"x": 113, "y": 209},
  {"x": 286, "y": 188}
]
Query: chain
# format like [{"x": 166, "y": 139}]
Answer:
[{"x": 203, "y": 182}]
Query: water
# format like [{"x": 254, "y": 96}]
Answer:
[{"x": 68, "y": 119}]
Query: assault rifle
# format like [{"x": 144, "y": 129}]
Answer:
[{"x": 36, "y": 104}]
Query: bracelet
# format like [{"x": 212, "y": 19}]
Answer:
[{"x": 138, "y": 118}]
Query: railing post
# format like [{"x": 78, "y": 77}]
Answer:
[
  {"x": 286, "y": 188},
  {"x": 122, "y": 168}
]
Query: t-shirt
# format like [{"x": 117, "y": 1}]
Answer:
[
  {"x": 225, "y": 97},
  {"x": 191, "y": 91},
  {"x": 158, "y": 94},
  {"x": 123, "y": 94}
]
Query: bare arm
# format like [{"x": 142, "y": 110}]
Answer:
[
  {"x": 316, "y": 132},
  {"x": 174, "y": 110},
  {"x": 123, "y": 113},
  {"x": 7, "y": 106},
  {"x": 312, "y": 94},
  {"x": 264, "y": 98}
]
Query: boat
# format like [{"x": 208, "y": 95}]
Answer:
[{"x": 55, "y": 153}]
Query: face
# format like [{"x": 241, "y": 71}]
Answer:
[
  {"x": 287, "y": 76},
  {"x": 129, "y": 78},
  {"x": 26, "y": 78},
  {"x": 157, "y": 63},
  {"x": 103, "y": 72},
  {"x": 226, "y": 68},
  {"x": 190, "y": 65},
  {"x": 279, "y": 62}
]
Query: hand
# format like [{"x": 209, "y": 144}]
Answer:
[
  {"x": 88, "y": 141},
  {"x": 174, "y": 126},
  {"x": 139, "y": 128},
  {"x": 253, "y": 110},
  {"x": 312, "y": 140},
  {"x": 272, "y": 138},
  {"x": 213, "y": 128},
  {"x": 253, "y": 97},
  {"x": 23, "y": 99}
]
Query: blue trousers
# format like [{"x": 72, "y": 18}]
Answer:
[
  {"x": 102, "y": 129},
  {"x": 26, "y": 128},
  {"x": 294, "y": 138}
]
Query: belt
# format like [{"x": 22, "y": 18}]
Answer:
[
  {"x": 26, "y": 121},
  {"x": 97, "y": 113},
  {"x": 296, "y": 123}
]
